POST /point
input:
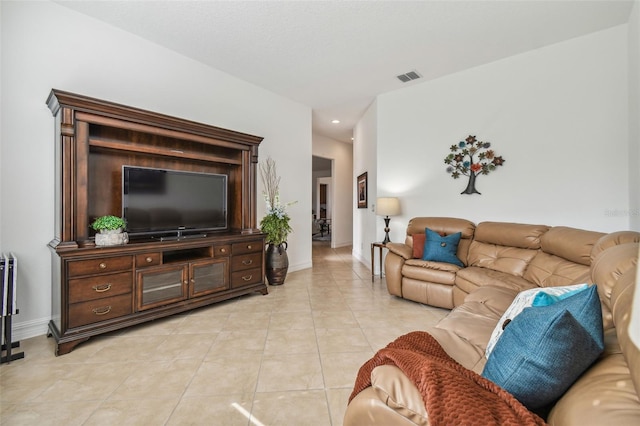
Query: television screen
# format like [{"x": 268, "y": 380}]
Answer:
[{"x": 160, "y": 201}]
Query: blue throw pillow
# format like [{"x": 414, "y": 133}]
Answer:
[
  {"x": 545, "y": 349},
  {"x": 546, "y": 298},
  {"x": 441, "y": 249}
]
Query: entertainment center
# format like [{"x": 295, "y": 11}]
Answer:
[{"x": 182, "y": 255}]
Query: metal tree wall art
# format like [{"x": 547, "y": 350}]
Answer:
[{"x": 472, "y": 157}]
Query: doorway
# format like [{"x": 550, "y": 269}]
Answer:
[{"x": 322, "y": 208}]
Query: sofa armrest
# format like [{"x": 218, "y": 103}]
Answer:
[{"x": 401, "y": 250}]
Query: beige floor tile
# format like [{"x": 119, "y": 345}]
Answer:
[
  {"x": 249, "y": 320},
  {"x": 291, "y": 321},
  {"x": 50, "y": 413},
  {"x": 290, "y": 372},
  {"x": 205, "y": 322},
  {"x": 225, "y": 375},
  {"x": 237, "y": 342},
  {"x": 194, "y": 345},
  {"x": 129, "y": 349},
  {"x": 372, "y": 319},
  {"x": 135, "y": 411},
  {"x": 88, "y": 382},
  {"x": 292, "y": 306},
  {"x": 291, "y": 342},
  {"x": 341, "y": 340},
  {"x": 300, "y": 408},
  {"x": 334, "y": 319},
  {"x": 158, "y": 379},
  {"x": 227, "y": 410},
  {"x": 340, "y": 369}
]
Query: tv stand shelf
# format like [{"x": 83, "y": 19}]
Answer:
[
  {"x": 100, "y": 289},
  {"x": 171, "y": 152}
]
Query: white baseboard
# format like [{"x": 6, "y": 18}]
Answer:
[
  {"x": 342, "y": 244},
  {"x": 300, "y": 266},
  {"x": 29, "y": 329}
]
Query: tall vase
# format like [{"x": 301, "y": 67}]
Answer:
[{"x": 276, "y": 263}]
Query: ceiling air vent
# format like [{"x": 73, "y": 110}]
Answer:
[{"x": 411, "y": 75}]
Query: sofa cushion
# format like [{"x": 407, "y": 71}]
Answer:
[
  {"x": 526, "y": 299},
  {"x": 548, "y": 270},
  {"x": 435, "y": 272},
  {"x": 545, "y": 349},
  {"x": 511, "y": 260},
  {"x": 510, "y": 234},
  {"x": 470, "y": 278},
  {"x": 441, "y": 249},
  {"x": 570, "y": 243}
]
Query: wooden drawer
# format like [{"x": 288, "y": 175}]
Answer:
[
  {"x": 249, "y": 276},
  {"x": 148, "y": 259},
  {"x": 99, "y": 310},
  {"x": 100, "y": 265},
  {"x": 221, "y": 251},
  {"x": 247, "y": 247},
  {"x": 246, "y": 261},
  {"x": 100, "y": 286}
]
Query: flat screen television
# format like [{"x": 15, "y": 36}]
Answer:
[{"x": 162, "y": 202}]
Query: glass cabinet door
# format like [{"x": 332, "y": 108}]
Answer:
[
  {"x": 161, "y": 285},
  {"x": 208, "y": 276}
]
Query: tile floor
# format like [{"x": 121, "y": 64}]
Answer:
[{"x": 288, "y": 358}]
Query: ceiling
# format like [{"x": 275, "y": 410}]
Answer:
[{"x": 337, "y": 56}]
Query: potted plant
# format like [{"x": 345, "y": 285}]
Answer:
[
  {"x": 110, "y": 231},
  {"x": 275, "y": 224}
]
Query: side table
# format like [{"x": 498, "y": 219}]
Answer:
[{"x": 379, "y": 246}]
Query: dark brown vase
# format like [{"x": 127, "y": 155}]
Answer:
[{"x": 276, "y": 263}]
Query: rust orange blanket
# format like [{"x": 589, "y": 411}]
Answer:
[{"x": 452, "y": 394}]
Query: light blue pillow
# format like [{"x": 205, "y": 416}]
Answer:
[
  {"x": 545, "y": 349},
  {"x": 544, "y": 298},
  {"x": 441, "y": 249}
]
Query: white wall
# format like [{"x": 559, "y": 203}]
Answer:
[
  {"x": 342, "y": 189},
  {"x": 45, "y": 46},
  {"x": 634, "y": 116},
  {"x": 557, "y": 115},
  {"x": 365, "y": 140}
]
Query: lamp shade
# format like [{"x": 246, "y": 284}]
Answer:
[{"x": 388, "y": 206}]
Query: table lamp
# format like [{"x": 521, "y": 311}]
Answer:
[{"x": 387, "y": 206}]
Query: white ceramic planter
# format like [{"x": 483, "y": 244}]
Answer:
[{"x": 112, "y": 238}]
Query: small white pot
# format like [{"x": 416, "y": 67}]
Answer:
[{"x": 113, "y": 237}]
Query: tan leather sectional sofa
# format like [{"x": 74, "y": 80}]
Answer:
[{"x": 500, "y": 260}]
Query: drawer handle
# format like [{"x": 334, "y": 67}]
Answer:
[
  {"x": 149, "y": 259},
  {"x": 103, "y": 265},
  {"x": 223, "y": 250},
  {"x": 102, "y": 288},
  {"x": 247, "y": 278},
  {"x": 249, "y": 247},
  {"x": 247, "y": 262},
  {"x": 102, "y": 311}
]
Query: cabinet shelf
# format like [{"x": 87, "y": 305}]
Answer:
[
  {"x": 178, "y": 256},
  {"x": 167, "y": 152}
]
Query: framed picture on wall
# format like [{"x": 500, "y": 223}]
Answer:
[{"x": 361, "y": 184}]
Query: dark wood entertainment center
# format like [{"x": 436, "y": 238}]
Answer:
[{"x": 97, "y": 289}]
